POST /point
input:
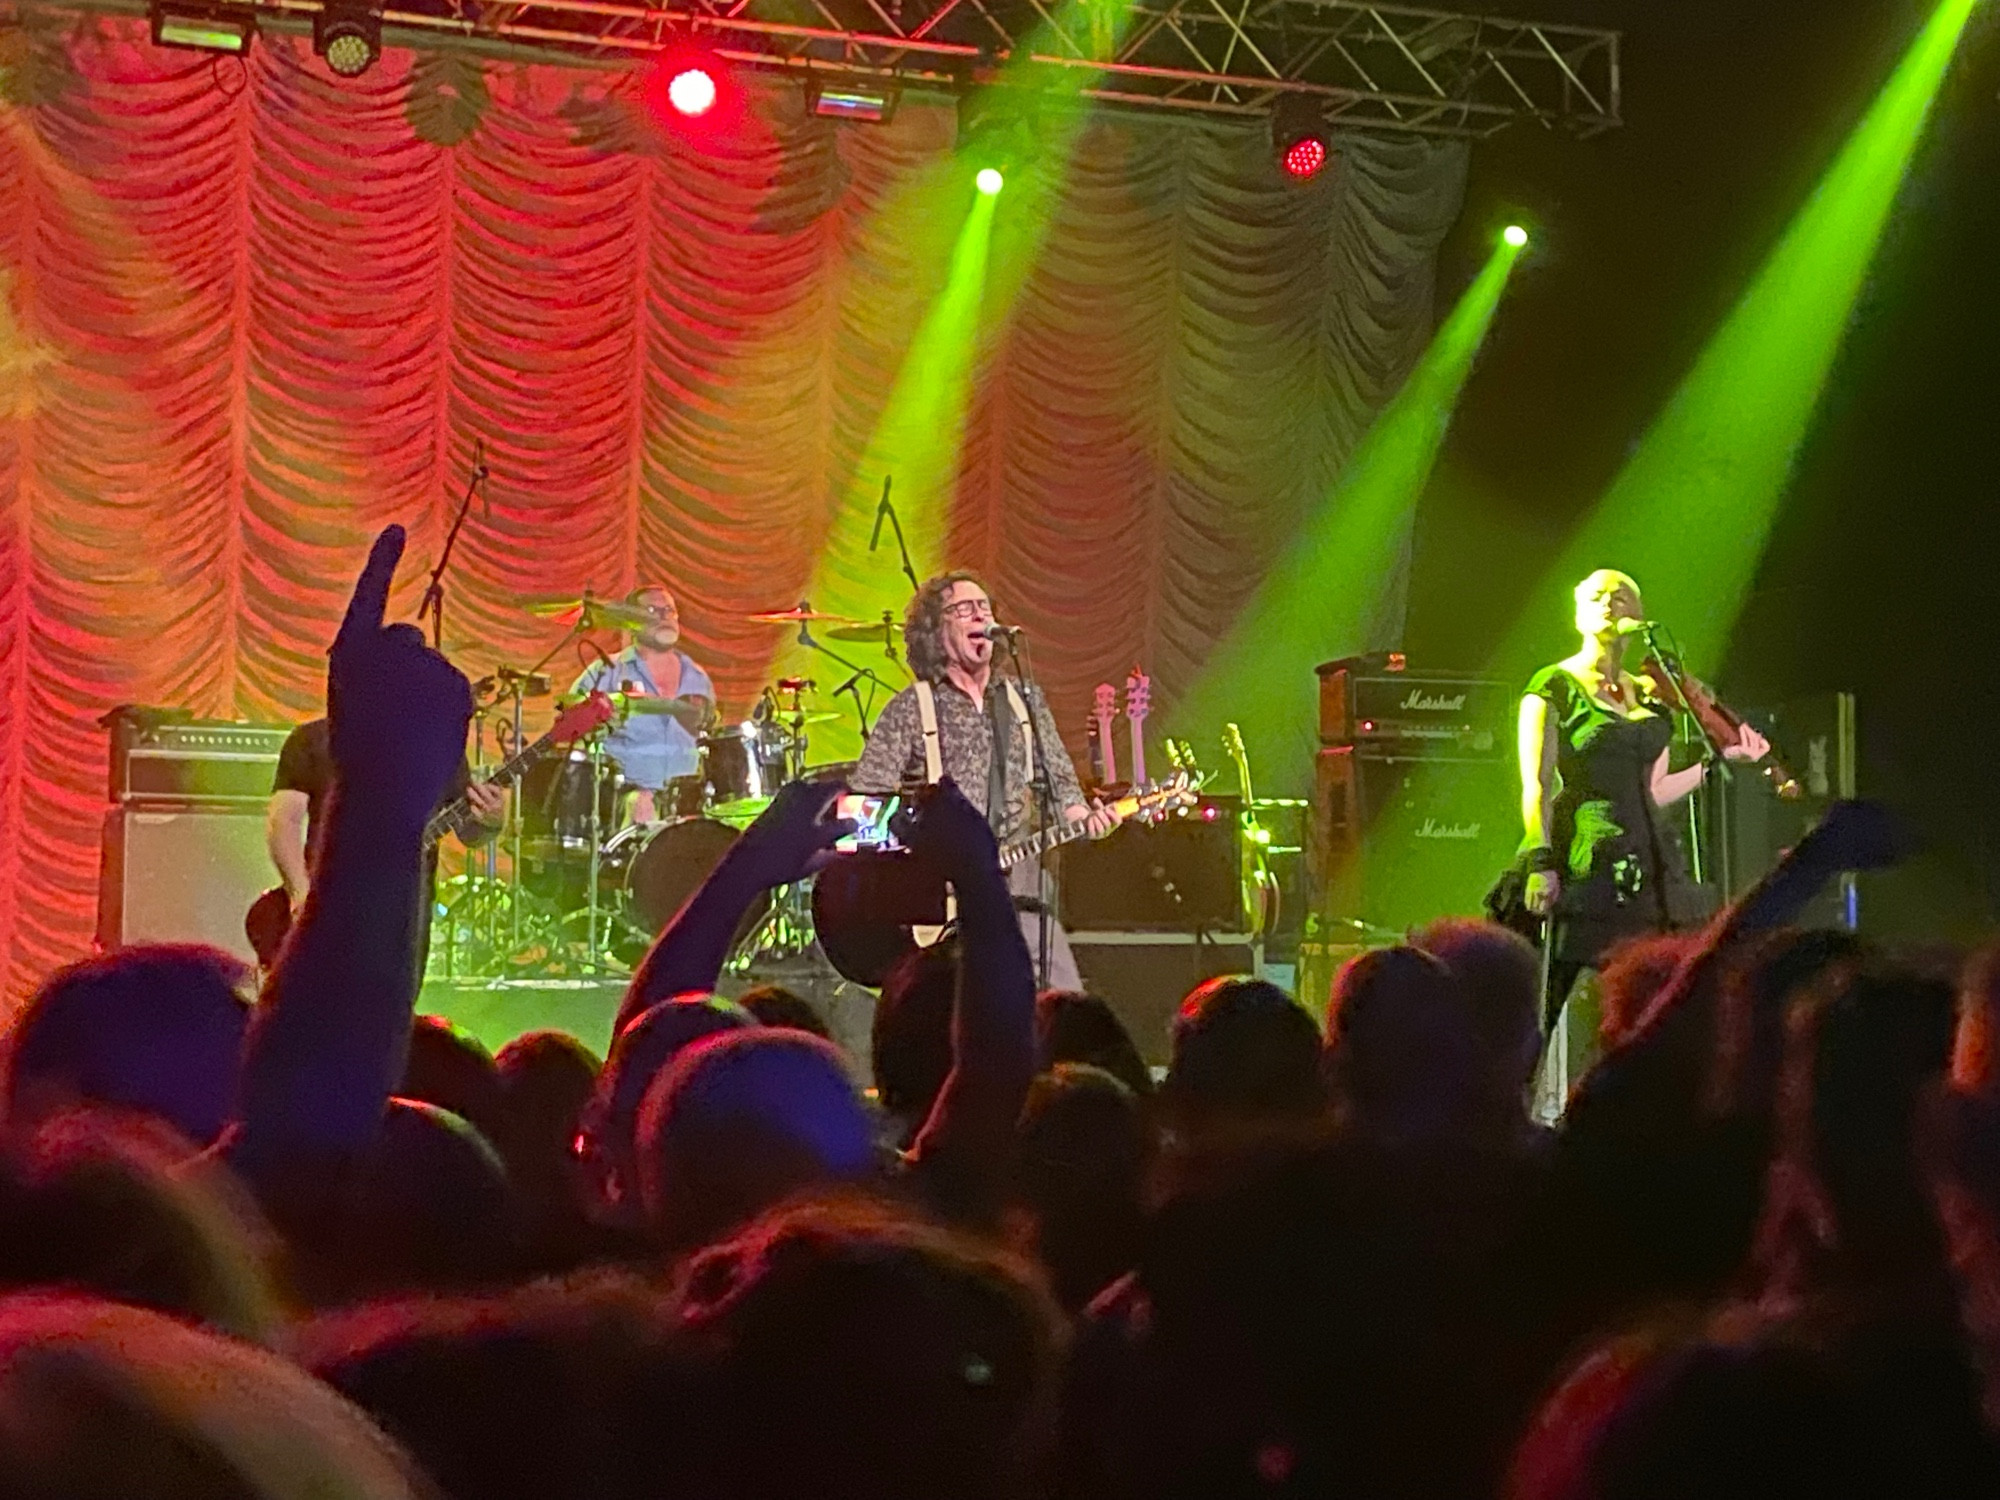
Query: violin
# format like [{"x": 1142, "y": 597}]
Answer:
[{"x": 1686, "y": 693}]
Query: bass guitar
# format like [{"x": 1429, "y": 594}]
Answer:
[
  {"x": 270, "y": 916},
  {"x": 873, "y": 906}
]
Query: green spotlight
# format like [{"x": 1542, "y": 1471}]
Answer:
[
  {"x": 1515, "y": 236},
  {"x": 1325, "y": 596},
  {"x": 1690, "y": 512},
  {"x": 989, "y": 181}
]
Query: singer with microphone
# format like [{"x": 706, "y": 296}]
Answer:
[
  {"x": 949, "y": 723},
  {"x": 1598, "y": 861}
]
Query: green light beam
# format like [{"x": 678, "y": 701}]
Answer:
[
  {"x": 916, "y": 441},
  {"x": 1690, "y": 513},
  {"x": 1325, "y": 593}
]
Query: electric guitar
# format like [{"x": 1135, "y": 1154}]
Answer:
[
  {"x": 270, "y": 916},
  {"x": 873, "y": 906},
  {"x": 1103, "y": 705},
  {"x": 1138, "y": 703}
]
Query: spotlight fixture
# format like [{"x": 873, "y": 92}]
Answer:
[
  {"x": 1299, "y": 136},
  {"x": 691, "y": 91},
  {"x": 348, "y": 36},
  {"x": 874, "y": 103},
  {"x": 204, "y": 28},
  {"x": 989, "y": 181},
  {"x": 1515, "y": 236}
]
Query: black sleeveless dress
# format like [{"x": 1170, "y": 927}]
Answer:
[{"x": 1621, "y": 870}]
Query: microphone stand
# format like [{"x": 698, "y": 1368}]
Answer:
[
  {"x": 888, "y": 509},
  {"x": 860, "y": 673},
  {"x": 432, "y": 603},
  {"x": 1043, "y": 787}
]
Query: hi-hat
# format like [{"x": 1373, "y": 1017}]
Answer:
[
  {"x": 801, "y": 614},
  {"x": 596, "y": 614},
  {"x": 510, "y": 680}
]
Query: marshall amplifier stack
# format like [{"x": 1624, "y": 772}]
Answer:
[
  {"x": 183, "y": 847},
  {"x": 1414, "y": 807}
]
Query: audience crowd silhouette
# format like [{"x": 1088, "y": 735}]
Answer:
[{"x": 301, "y": 1241}]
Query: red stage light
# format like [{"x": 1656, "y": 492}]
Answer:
[
  {"x": 691, "y": 91},
  {"x": 1305, "y": 156}
]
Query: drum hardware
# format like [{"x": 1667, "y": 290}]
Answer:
[
  {"x": 805, "y": 617},
  {"x": 882, "y": 632},
  {"x": 801, "y": 613}
]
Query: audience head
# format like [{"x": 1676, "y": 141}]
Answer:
[
  {"x": 1074, "y": 1027},
  {"x": 774, "y": 1005},
  {"x": 1080, "y": 1173},
  {"x": 451, "y": 1068},
  {"x": 98, "y": 1399},
  {"x": 1755, "y": 1406},
  {"x": 546, "y": 1081},
  {"x": 894, "y": 1357},
  {"x": 642, "y": 1051},
  {"x": 1244, "y": 1053},
  {"x": 115, "y": 1206},
  {"x": 430, "y": 1208},
  {"x": 1500, "y": 977},
  {"x": 741, "y": 1122},
  {"x": 155, "y": 1028},
  {"x": 1636, "y": 971},
  {"x": 910, "y": 1046},
  {"x": 522, "y": 1395},
  {"x": 1402, "y": 1060}
]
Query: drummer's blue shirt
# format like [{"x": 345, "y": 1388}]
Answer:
[{"x": 651, "y": 749}]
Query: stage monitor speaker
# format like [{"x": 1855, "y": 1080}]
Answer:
[
  {"x": 1394, "y": 842},
  {"x": 175, "y": 873},
  {"x": 1144, "y": 976}
]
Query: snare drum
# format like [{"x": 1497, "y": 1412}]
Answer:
[{"x": 650, "y": 869}]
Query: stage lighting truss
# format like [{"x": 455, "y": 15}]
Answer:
[{"x": 1376, "y": 66}]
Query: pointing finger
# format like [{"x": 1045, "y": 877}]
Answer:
[{"x": 370, "y": 601}]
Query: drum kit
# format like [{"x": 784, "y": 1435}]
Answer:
[{"x": 582, "y": 880}]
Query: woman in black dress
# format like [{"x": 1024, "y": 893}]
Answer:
[{"x": 1595, "y": 781}]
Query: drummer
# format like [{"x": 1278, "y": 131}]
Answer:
[{"x": 673, "y": 700}]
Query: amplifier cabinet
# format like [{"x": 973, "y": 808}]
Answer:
[
  {"x": 1182, "y": 874},
  {"x": 1414, "y": 712},
  {"x": 181, "y": 873},
  {"x": 1395, "y": 841},
  {"x": 163, "y": 753}
]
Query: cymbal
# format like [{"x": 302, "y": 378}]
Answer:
[
  {"x": 800, "y": 614},
  {"x": 810, "y": 716},
  {"x": 884, "y": 630},
  {"x": 643, "y": 703},
  {"x": 598, "y": 614}
]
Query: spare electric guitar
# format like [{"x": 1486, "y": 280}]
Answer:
[
  {"x": 873, "y": 906},
  {"x": 270, "y": 915},
  {"x": 1138, "y": 703},
  {"x": 1103, "y": 706}
]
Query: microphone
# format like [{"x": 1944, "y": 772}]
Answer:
[
  {"x": 881, "y": 514},
  {"x": 479, "y": 473},
  {"x": 1637, "y": 627},
  {"x": 998, "y": 632}
]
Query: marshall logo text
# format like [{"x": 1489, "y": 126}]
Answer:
[{"x": 1432, "y": 703}]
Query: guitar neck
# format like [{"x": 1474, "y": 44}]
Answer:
[
  {"x": 448, "y": 817},
  {"x": 1036, "y": 845}
]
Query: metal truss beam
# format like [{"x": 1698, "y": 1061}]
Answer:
[{"x": 1380, "y": 67}]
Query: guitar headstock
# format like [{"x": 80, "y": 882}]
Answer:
[
  {"x": 1103, "y": 701},
  {"x": 1158, "y": 799},
  {"x": 581, "y": 718},
  {"x": 1138, "y": 696}
]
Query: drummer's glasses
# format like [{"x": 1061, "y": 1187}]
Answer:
[
  {"x": 658, "y": 611},
  {"x": 970, "y": 609}
]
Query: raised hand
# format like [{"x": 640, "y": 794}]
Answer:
[
  {"x": 950, "y": 832},
  {"x": 794, "y": 836},
  {"x": 397, "y": 711},
  {"x": 1857, "y": 835}
]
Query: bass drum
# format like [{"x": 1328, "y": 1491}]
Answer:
[{"x": 650, "y": 869}]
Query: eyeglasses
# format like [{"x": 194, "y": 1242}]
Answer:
[
  {"x": 658, "y": 611},
  {"x": 970, "y": 609}
]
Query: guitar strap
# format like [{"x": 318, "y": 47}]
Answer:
[{"x": 928, "y": 719}]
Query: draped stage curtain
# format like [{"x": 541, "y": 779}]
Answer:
[{"x": 254, "y": 312}]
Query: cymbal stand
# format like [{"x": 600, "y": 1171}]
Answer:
[{"x": 859, "y": 674}]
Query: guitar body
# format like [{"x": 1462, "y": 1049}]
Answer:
[
  {"x": 266, "y": 924},
  {"x": 872, "y": 907}
]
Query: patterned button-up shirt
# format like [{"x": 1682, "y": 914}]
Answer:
[{"x": 894, "y": 758}]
